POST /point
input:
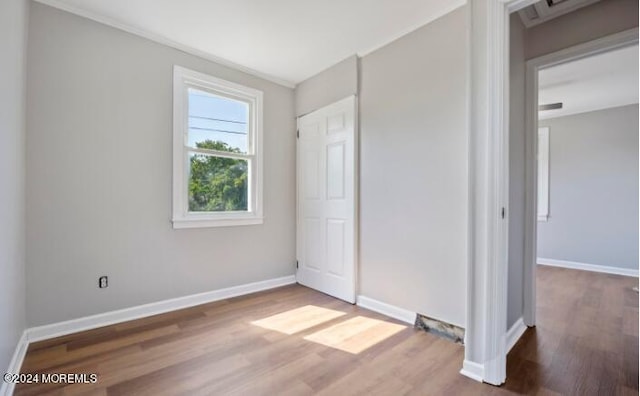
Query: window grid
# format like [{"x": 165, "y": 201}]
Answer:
[{"x": 185, "y": 83}]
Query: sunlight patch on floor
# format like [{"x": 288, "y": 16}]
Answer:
[
  {"x": 299, "y": 319},
  {"x": 356, "y": 334}
]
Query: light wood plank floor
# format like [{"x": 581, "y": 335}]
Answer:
[{"x": 295, "y": 341}]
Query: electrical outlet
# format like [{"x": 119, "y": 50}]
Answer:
[{"x": 103, "y": 282}]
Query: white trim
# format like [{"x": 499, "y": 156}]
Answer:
[
  {"x": 515, "y": 332},
  {"x": 141, "y": 311},
  {"x": 356, "y": 193},
  {"x": 183, "y": 80},
  {"x": 472, "y": 370},
  {"x": 531, "y": 193},
  {"x": 486, "y": 321},
  {"x": 64, "y": 6},
  {"x": 604, "y": 44},
  {"x": 452, "y": 6},
  {"x": 389, "y": 310},
  {"x": 516, "y": 5},
  {"x": 197, "y": 223},
  {"x": 543, "y": 174},
  {"x": 588, "y": 267},
  {"x": 15, "y": 364},
  {"x": 489, "y": 192}
]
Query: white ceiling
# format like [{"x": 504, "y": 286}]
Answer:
[
  {"x": 601, "y": 81},
  {"x": 285, "y": 40}
]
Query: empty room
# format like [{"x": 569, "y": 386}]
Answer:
[{"x": 318, "y": 197}]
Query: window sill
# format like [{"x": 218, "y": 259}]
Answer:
[{"x": 209, "y": 222}]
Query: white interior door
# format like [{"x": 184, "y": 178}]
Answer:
[{"x": 326, "y": 179}]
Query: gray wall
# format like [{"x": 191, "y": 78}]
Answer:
[
  {"x": 329, "y": 86},
  {"x": 414, "y": 149},
  {"x": 13, "y": 29},
  {"x": 99, "y": 177},
  {"x": 593, "y": 206},
  {"x": 600, "y": 19},
  {"x": 516, "y": 170}
]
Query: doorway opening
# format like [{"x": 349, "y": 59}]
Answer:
[
  {"x": 578, "y": 166},
  {"x": 580, "y": 194}
]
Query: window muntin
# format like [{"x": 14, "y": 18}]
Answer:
[
  {"x": 217, "y": 153},
  {"x": 219, "y": 119}
]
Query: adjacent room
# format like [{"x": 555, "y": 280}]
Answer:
[
  {"x": 587, "y": 216},
  {"x": 247, "y": 197},
  {"x": 588, "y": 163}
]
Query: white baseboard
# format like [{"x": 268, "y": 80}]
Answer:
[
  {"x": 108, "y": 318},
  {"x": 391, "y": 311},
  {"x": 587, "y": 267},
  {"x": 473, "y": 370},
  {"x": 6, "y": 389},
  {"x": 515, "y": 332}
]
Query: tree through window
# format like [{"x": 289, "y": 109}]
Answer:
[{"x": 217, "y": 164}]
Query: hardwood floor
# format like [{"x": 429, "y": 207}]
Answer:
[
  {"x": 295, "y": 341},
  {"x": 586, "y": 338}
]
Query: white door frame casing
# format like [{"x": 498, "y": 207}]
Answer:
[
  {"x": 487, "y": 282},
  {"x": 533, "y": 66}
]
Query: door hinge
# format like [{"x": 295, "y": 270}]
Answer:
[
  {"x": 503, "y": 212},
  {"x": 297, "y": 264},
  {"x": 298, "y": 133}
]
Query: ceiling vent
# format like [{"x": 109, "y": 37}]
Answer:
[{"x": 545, "y": 10}]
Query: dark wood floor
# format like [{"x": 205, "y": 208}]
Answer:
[
  {"x": 295, "y": 341},
  {"x": 586, "y": 337}
]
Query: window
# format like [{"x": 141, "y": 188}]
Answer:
[
  {"x": 217, "y": 157},
  {"x": 543, "y": 174}
]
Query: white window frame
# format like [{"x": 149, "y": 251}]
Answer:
[
  {"x": 543, "y": 174},
  {"x": 183, "y": 79}
]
